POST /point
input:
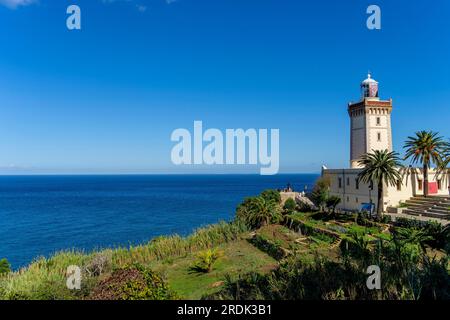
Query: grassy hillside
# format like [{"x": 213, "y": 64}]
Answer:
[{"x": 267, "y": 253}]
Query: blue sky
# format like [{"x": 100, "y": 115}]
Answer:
[{"x": 106, "y": 99}]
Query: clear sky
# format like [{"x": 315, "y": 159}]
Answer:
[{"x": 107, "y": 98}]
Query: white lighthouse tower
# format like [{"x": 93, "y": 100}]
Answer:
[{"x": 370, "y": 120}]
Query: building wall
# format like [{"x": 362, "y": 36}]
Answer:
[
  {"x": 370, "y": 127},
  {"x": 358, "y": 142},
  {"x": 353, "y": 194},
  {"x": 344, "y": 185},
  {"x": 379, "y": 132}
]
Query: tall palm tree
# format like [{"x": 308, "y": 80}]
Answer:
[
  {"x": 445, "y": 158},
  {"x": 380, "y": 167},
  {"x": 426, "y": 148}
]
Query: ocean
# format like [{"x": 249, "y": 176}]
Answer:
[{"x": 40, "y": 215}]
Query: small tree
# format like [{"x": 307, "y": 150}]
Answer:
[
  {"x": 205, "y": 260},
  {"x": 320, "y": 192},
  {"x": 289, "y": 206},
  {"x": 271, "y": 195},
  {"x": 5, "y": 267},
  {"x": 332, "y": 202}
]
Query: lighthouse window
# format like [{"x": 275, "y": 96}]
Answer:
[
  {"x": 439, "y": 184},
  {"x": 379, "y": 136},
  {"x": 420, "y": 184},
  {"x": 378, "y": 121},
  {"x": 399, "y": 185}
]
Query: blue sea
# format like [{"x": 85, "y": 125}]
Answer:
[{"x": 40, "y": 215}]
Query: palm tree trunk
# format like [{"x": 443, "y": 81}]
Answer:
[
  {"x": 380, "y": 199},
  {"x": 425, "y": 180}
]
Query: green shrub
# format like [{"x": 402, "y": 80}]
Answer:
[
  {"x": 5, "y": 267},
  {"x": 256, "y": 212},
  {"x": 271, "y": 195},
  {"x": 320, "y": 192},
  {"x": 135, "y": 282},
  {"x": 273, "y": 249},
  {"x": 289, "y": 206},
  {"x": 205, "y": 260},
  {"x": 332, "y": 202}
]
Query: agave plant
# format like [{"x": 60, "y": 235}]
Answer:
[{"x": 413, "y": 236}]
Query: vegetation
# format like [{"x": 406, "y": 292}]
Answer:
[
  {"x": 380, "y": 167},
  {"x": 332, "y": 202},
  {"x": 258, "y": 211},
  {"x": 408, "y": 273},
  {"x": 205, "y": 260},
  {"x": 289, "y": 206},
  {"x": 260, "y": 255},
  {"x": 426, "y": 147},
  {"x": 5, "y": 267},
  {"x": 446, "y": 158},
  {"x": 320, "y": 192},
  {"x": 271, "y": 195},
  {"x": 133, "y": 283}
]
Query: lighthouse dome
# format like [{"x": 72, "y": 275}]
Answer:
[{"x": 369, "y": 88}]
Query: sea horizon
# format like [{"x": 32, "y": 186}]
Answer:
[
  {"x": 44, "y": 214},
  {"x": 155, "y": 174}
]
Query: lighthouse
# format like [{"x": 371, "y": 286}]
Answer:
[{"x": 370, "y": 122}]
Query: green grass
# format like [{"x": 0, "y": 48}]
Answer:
[
  {"x": 279, "y": 235},
  {"x": 238, "y": 257},
  {"x": 45, "y": 278},
  {"x": 174, "y": 256}
]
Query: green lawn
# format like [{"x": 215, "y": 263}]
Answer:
[{"x": 237, "y": 257}]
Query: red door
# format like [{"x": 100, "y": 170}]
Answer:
[{"x": 432, "y": 188}]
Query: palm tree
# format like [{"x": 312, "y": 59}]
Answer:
[
  {"x": 412, "y": 236},
  {"x": 258, "y": 212},
  {"x": 443, "y": 167},
  {"x": 427, "y": 148},
  {"x": 380, "y": 167}
]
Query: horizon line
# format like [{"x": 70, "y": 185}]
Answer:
[{"x": 151, "y": 174}]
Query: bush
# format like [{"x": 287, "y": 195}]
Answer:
[
  {"x": 332, "y": 202},
  {"x": 5, "y": 267},
  {"x": 133, "y": 283},
  {"x": 271, "y": 248},
  {"x": 98, "y": 265},
  {"x": 256, "y": 212},
  {"x": 289, "y": 206},
  {"x": 320, "y": 192},
  {"x": 271, "y": 195},
  {"x": 205, "y": 260}
]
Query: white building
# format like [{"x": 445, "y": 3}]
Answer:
[{"x": 370, "y": 129}]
